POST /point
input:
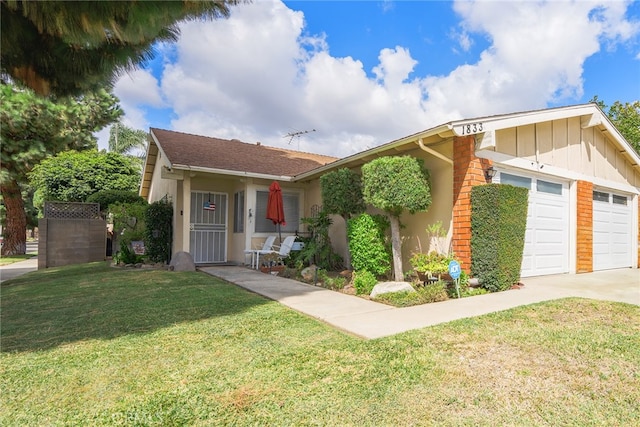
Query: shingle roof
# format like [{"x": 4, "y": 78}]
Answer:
[{"x": 233, "y": 155}]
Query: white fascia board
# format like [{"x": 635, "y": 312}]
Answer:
[
  {"x": 443, "y": 131},
  {"x": 231, "y": 173},
  {"x": 164, "y": 155},
  {"x": 492, "y": 123},
  {"x": 553, "y": 171}
]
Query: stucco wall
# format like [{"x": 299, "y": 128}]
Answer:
[{"x": 414, "y": 234}]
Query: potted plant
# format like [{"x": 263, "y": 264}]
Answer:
[
  {"x": 431, "y": 265},
  {"x": 272, "y": 263}
]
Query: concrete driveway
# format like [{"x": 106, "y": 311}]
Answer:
[{"x": 621, "y": 285}]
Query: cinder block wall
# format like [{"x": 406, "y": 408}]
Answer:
[{"x": 71, "y": 241}]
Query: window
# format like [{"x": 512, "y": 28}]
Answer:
[
  {"x": 619, "y": 200},
  {"x": 291, "y": 213},
  {"x": 517, "y": 181},
  {"x": 238, "y": 212},
  {"x": 548, "y": 187},
  {"x": 599, "y": 196}
]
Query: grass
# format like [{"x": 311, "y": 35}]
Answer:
[{"x": 92, "y": 345}]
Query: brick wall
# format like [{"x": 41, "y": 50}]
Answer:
[
  {"x": 468, "y": 171},
  {"x": 584, "y": 237}
]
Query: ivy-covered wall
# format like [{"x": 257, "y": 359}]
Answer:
[{"x": 498, "y": 225}]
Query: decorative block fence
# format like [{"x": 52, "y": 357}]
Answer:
[{"x": 71, "y": 233}]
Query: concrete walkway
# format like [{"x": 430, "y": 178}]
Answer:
[
  {"x": 18, "y": 268},
  {"x": 369, "y": 319}
]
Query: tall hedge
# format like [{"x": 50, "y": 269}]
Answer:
[
  {"x": 498, "y": 225},
  {"x": 367, "y": 244},
  {"x": 159, "y": 231},
  {"x": 108, "y": 197}
]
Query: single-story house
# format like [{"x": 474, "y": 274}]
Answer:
[{"x": 583, "y": 177}]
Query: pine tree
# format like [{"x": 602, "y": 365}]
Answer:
[
  {"x": 71, "y": 47},
  {"x": 33, "y": 128}
]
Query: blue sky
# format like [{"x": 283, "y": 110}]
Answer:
[{"x": 362, "y": 73}]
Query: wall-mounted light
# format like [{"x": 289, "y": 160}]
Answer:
[
  {"x": 250, "y": 213},
  {"x": 489, "y": 173}
]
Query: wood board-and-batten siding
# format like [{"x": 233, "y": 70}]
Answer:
[{"x": 565, "y": 144}]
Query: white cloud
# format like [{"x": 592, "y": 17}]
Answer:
[
  {"x": 141, "y": 86},
  {"x": 257, "y": 75}
]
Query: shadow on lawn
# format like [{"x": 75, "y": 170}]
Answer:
[{"x": 51, "y": 307}]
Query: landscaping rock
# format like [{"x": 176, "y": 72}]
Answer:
[
  {"x": 182, "y": 261},
  {"x": 309, "y": 273},
  {"x": 387, "y": 287}
]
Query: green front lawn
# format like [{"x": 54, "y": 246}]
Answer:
[{"x": 93, "y": 345}]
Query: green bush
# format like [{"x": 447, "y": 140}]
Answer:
[
  {"x": 129, "y": 221},
  {"x": 159, "y": 231},
  {"x": 463, "y": 286},
  {"x": 364, "y": 281},
  {"x": 432, "y": 262},
  {"x": 317, "y": 249},
  {"x": 333, "y": 283},
  {"x": 369, "y": 251},
  {"x": 498, "y": 225},
  {"x": 423, "y": 295},
  {"x": 127, "y": 255},
  {"x": 108, "y": 197}
]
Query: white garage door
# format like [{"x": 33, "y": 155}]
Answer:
[
  {"x": 546, "y": 245},
  {"x": 611, "y": 231}
]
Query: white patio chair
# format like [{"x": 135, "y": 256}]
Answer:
[
  {"x": 283, "y": 250},
  {"x": 267, "y": 248}
]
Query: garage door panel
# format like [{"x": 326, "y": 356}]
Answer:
[
  {"x": 547, "y": 235},
  {"x": 619, "y": 250},
  {"x": 549, "y": 212},
  {"x": 611, "y": 231},
  {"x": 546, "y": 263}
]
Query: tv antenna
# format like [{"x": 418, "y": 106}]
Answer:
[{"x": 292, "y": 135}]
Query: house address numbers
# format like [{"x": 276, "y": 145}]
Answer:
[{"x": 471, "y": 128}]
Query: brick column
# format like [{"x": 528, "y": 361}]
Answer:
[
  {"x": 584, "y": 235},
  {"x": 468, "y": 171}
]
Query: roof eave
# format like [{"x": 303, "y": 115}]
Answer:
[
  {"x": 512, "y": 120},
  {"x": 443, "y": 131},
  {"x": 228, "y": 172}
]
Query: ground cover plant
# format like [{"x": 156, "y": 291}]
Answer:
[{"x": 94, "y": 345}]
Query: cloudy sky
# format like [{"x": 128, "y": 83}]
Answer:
[{"x": 356, "y": 74}]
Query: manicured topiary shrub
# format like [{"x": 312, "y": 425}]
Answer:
[
  {"x": 498, "y": 225},
  {"x": 395, "y": 184},
  {"x": 369, "y": 252}
]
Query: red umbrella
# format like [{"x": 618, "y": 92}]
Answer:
[{"x": 275, "y": 207}]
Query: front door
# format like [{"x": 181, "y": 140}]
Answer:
[{"x": 208, "y": 227}]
